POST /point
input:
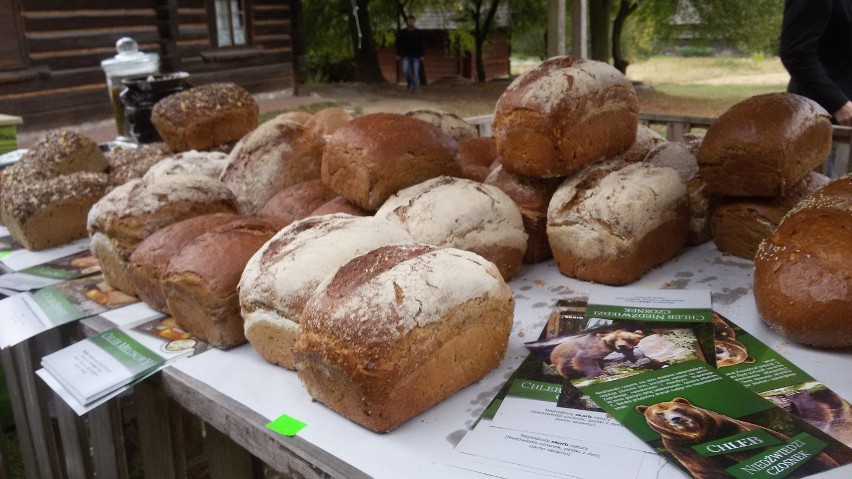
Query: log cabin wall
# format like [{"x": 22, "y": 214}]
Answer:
[{"x": 50, "y": 50}]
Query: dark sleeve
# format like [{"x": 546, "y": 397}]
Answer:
[
  {"x": 399, "y": 43},
  {"x": 803, "y": 25}
]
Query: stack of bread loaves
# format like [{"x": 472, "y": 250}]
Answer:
[{"x": 759, "y": 156}]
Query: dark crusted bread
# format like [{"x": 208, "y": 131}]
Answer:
[
  {"x": 296, "y": 202},
  {"x": 477, "y": 157}
]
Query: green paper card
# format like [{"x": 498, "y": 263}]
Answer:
[{"x": 286, "y": 425}]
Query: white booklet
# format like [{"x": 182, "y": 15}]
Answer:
[
  {"x": 51, "y": 273},
  {"x": 102, "y": 364},
  {"x": 18, "y": 259}
]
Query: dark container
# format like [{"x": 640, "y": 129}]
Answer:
[{"x": 140, "y": 95}]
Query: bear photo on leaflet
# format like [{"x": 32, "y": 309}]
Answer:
[
  {"x": 729, "y": 351},
  {"x": 682, "y": 425},
  {"x": 582, "y": 356}
]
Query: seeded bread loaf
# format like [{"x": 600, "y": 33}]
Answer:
[
  {"x": 764, "y": 145},
  {"x": 202, "y": 294},
  {"x": 149, "y": 261},
  {"x": 62, "y": 152},
  {"x": 563, "y": 115},
  {"x": 136, "y": 209},
  {"x": 460, "y": 213},
  {"x": 477, "y": 157},
  {"x": 206, "y": 116},
  {"x": 296, "y": 202},
  {"x": 450, "y": 123},
  {"x": 126, "y": 164},
  {"x": 740, "y": 224},
  {"x": 281, "y": 276},
  {"x": 52, "y": 212},
  {"x": 374, "y": 156},
  {"x": 204, "y": 163},
  {"x": 531, "y": 195},
  {"x": 803, "y": 271},
  {"x": 276, "y": 155},
  {"x": 613, "y": 221},
  {"x": 399, "y": 329}
]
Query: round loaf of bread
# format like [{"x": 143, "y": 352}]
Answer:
[
  {"x": 296, "y": 202},
  {"x": 532, "y": 195},
  {"x": 205, "y": 116},
  {"x": 803, "y": 271},
  {"x": 681, "y": 157},
  {"x": 278, "y": 154},
  {"x": 477, "y": 157},
  {"x": 397, "y": 330},
  {"x": 278, "y": 280},
  {"x": 299, "y": 117},
  {"x": 646, "y": 140},
  {"x": 613, "y": 221},
  {"x": 562, "y": 115},
  {"x": 764, "y": 145},
  {"x": 328, "y": 120},
  {"x": 52, "y": 212},
  {"x": 149, "y": 261},
  {"x": 449, "y": 123},
  {"x": 204, "y": 163},
  {"x": 136, "y": 209},
  {"x": 340, "y": 204},
  {"x": 374, "y": 156},
  {"x": 460, "y": 213},
  {"x": 740, "y": 224},
  {"x": 202, "y": 294},
  {"x": 126, "y": 164}
]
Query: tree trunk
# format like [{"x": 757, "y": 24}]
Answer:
[
  {"x": 599, "y": 21},
  {"x": 481, "y": 29},
  {"x": 624, "y": 10},
  {"x": 367, "y": 67}
]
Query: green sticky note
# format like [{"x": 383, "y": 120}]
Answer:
[{"x": 286, "y": 425}]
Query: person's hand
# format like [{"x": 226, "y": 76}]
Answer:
[{"x": 844, "y": 114}]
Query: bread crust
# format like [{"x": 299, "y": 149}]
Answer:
[
  {"x": 764, "y": 145},
  {"x": 380, "y": 362},
  {"x": 563, "y": 115},
  {"x": 477, "y": 157},
  {"x": 803, "y": 271},
  {"x": 374, "y": 156},
  {"x": 296, "y": 202}
]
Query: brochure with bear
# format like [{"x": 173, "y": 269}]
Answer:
[{"x": 708, "y": 421}]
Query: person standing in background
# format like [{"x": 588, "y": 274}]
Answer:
[
  {"x": 816, "y": 49},
  {"x": 409, "y": 50}
]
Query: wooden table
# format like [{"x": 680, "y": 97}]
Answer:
[{"x": 237, "y": 392}]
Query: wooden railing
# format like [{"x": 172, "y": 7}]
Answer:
[{"x": 675, "y": 126}]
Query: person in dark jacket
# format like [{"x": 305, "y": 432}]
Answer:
[
  {"x": 816, "y": 49},
  {"x": 409, "y": 50}
]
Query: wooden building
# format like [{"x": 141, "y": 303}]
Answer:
[{"x": 50, "y": 50}]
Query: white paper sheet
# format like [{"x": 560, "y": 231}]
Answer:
[{"x": 23, "y": 259}]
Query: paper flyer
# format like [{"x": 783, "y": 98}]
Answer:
[
  {"x": 19, "y": 259},
  {"x": 51, "y": 273},
  {"x": 24, "y": 315},
  {"x": 102, "y": 364}
]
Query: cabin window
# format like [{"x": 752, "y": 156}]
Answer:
[{"x": 230, "y": 22}]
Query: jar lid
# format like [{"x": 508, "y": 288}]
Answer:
[{"x": 129, "y": 60}]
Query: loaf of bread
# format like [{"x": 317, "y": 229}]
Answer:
[
  {"x": 278, "y": 154},
  {"x": 300, "y": 117},
  {"x": 202, "y": 294},
  {"x": 133, "y": 211},
  {"x": 449, "y": 123},
  {"x": 681, "y": 157},
  {"x": 563, "y": 115},
  {"x": 280, "y": 278},
  {"x": 477, "y": 157},
  {"x": 646, "y": 140},
  {"x": 60, "y": 152},
  {"x": 740, "y": 224},
  {"x": 803, "y": 271},
  {"x": 374, "y": 156},
  {"x": 204, "y": 163},
  {"x": 461, "y": 213},
  {"x": 126, "y": 164},
  {"x": 340, "y": 204},
  {"x": 52, "y": 212},
  {"x": 532, "y": 195},
  {"x": 206, "y": 116},
  {"x": 764, "y": 145},
  {"x": 328, "y": 120},
  {"x": 296, "y": 202},
  {"x": 149, "y": 261},
  {"x": 397, "y": 330},
  {"x": 613, "y": 221}
]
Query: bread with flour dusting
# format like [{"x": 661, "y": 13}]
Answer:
[
  {"x": 136, "y": 209},
  {"x": 278, "y": 154},
  {"x": 280, "y": 277},
  {"x": 460, "y": 213},
  {"x": 397, "y": 330},
  {"x": 563, "y": 115},
  {"x": 613, "y": 221},
  {"x": 205, "y": 163}
]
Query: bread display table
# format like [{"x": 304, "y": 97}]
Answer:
[{"x": 237, "y": 392}]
